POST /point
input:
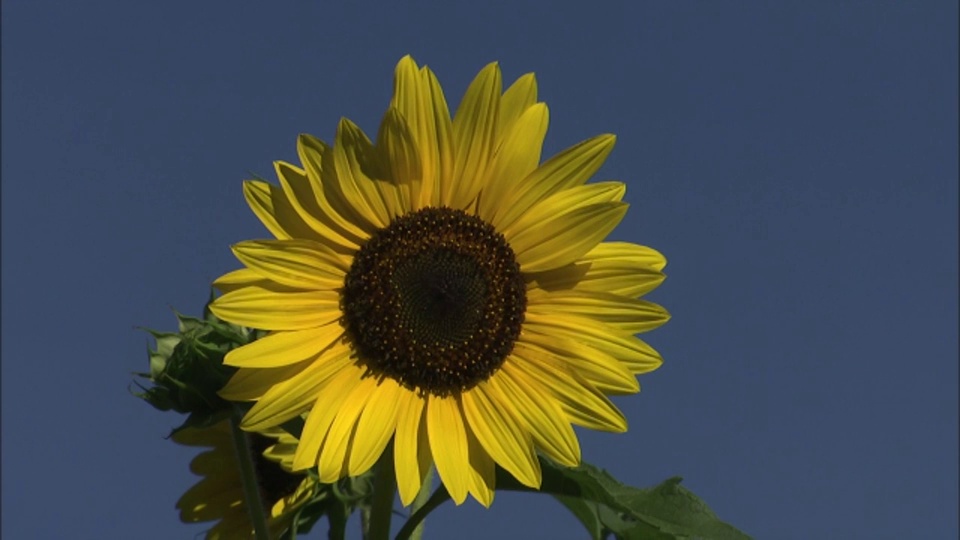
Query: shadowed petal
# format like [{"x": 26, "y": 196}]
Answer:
[
  {"x": 330, "y": 398},
  {"x": 541, "y": 416},
  {"x": 500, "y": 434},
  {"x": 569, "y": 168},
  {"x": 582, "y": 403},
  {"x": 411, "y": 446},
  {"x": 628, "y": 315},
  {"x": 333, "y": 455},
  {"x": 635, "y": 354},
  {"x": 612, "y": 267},
  {"x": 566, "y": 236},
  {"x": 517, "y": 155},
  {"x": 297, "y": 394},
  {"x": 376, "y": 425},
  {"x": 474, "y": 136}
]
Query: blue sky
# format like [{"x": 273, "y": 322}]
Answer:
[{"x": 796, "y": 162}]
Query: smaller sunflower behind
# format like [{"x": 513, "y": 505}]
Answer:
[{"x": 219, "y": 495}]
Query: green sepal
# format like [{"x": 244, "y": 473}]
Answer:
[
  {"x": 605, "y": 506},
  {"x": 186, "y": 367},
  {"x": 336, "y": 502}
]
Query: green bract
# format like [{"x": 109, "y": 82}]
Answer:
[{"x": 186, "y": 368}]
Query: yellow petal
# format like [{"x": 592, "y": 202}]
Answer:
[
  {"x": 521, "y": 95},
  {"x": 569, "y": 168},
  {"x": 474, "y": 136},
  {"x": 411, "y": 100},
  {"x": 300, "y": 192},
  {"x": 482, "y": 471},
  {"x": 401, "y": 156},
  {"x": 282, "y": 452},
  {"x": 216, "y": 505},
  {"x": 443, "y": 134},
  {"x": 330, "y": 398},
  {"x": 238, "y": 279},
  {"x": 603, "y": 371},
  {"x": 565, "y": 201},
  {"x": 284, "y": 348},
  {"x": 635, "y": 354},
  {"x": 213, "y": 436},
  {"x": 317, "y": 159},
  {"x": 217, "y": 476},
  {"x": 233, "y": 525},
  {"x": 448, "y": 444},
  {"x": 583, "y": 404},
  {"x": 297, "y": 394},
  {"x": 261, "y": 307},
  {"x": 517, "y": 155},
  {"x": 541, "y": 416},
  {"x": 563, "y": 237},
  {"x": 376, "y": 425},
  {"x": 208, "y": 506},
  {"x": 384, "y": 178},
  {"x": 500, "y": 433},
  {"x": 612, "y": 267},
  {"x": 628, "y": 315},
  {"x": 248, "y": 384},
  {"x": 408, "y": 95},
  {"x": 212, "y": 463},
  {"x": 295, "y": 263},
  {"x": 271, "y": 205},
  {"x": 333, "y": 454},
  {"x": 650, "y": 359},
  {"x": 419, "y": 98},
  {"x": 409, "y": 444},
  {"x": 356, "y": 165}
]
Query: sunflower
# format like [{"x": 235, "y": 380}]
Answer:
[
  {"x": 441, "y": 288},
  {"x": 219, "y": 495}
]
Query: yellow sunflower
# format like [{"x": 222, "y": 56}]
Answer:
[
  {"x": 442, "y": 288},
  {"x": 219, "y": 495}
]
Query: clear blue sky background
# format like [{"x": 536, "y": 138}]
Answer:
[{"x": 796, "y": 162}]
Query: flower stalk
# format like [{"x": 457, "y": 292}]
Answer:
[
  {"x": 251, "y": 489},
  {"x": 420, "y": 501},
  {"x": 384, "y": 492}
]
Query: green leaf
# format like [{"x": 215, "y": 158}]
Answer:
[
  {"x": 587, "y": 513},
  {"x": 605, "y": 506}
]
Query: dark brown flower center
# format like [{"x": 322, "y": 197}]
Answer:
[{"x": 434, "y": 301}]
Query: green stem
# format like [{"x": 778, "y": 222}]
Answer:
[
  {"x": 439, "y": 497},
  {"x": 384, "y": 491},
  {"x": 420, "y": 501},
  {"x": 251, "y": 489}
]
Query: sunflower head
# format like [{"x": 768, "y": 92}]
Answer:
[{"x": 441, "y": 287}]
